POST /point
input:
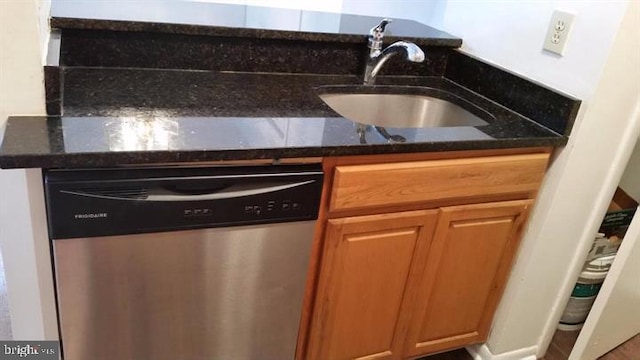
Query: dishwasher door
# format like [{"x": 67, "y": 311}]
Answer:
[
  {"x": 224, "y": 293},
  {"x": 176, "y": 263}
]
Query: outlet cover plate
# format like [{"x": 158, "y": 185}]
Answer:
[{"x": 558, "y": 32}]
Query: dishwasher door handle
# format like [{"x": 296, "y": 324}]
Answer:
[{"x": 234, "y": 191}]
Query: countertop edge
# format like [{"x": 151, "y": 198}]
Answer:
[{"x": 151, "y": 158}]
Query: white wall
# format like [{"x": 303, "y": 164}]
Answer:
[
  {"x": 430, "y": 12},
  {"x": 22, "y": 224},
  {"x": 574, "y": 195},
  {"x": 425, "y": 11},
  {"x": 44, "y": 8},
  {"x": 630, "y": 181},
  {"x": 313, "y": 5},
  {"x": 511, "y": 34}
]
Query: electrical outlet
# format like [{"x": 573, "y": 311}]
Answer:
[{"x": 559, "y": 29}]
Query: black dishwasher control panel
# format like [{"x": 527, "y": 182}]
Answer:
[{"x": 102, "y": 202}]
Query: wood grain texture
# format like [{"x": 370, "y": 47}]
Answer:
[
  {"x": 366, "y": 266},
  {"x": 436, "y": 204},
  {"x": 393, "y": 158},
  {"x": 561, "y": 345},
  {"x": 364, "y": 186},
  {"x": 629, "y": 350},
  {"x": 466, "y": 269},
  {"x": 329, "y": 164}
]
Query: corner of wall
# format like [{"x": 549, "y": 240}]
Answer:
[
  {"x": 565, "y": 216},
  {"x": 44, "y": 9}
]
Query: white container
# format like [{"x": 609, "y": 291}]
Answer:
[{"x": 584, "y": 293}]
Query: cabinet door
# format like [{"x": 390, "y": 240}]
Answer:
[
  {"x": 466, "y": 268},
  {"x": 367, "y": 263}
]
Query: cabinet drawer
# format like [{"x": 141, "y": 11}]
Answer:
[{"x": 363, "y": 186}]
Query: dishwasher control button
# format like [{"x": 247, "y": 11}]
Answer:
[
  {"x": 286, "y": 205},
  {"x": 257, "y": 210},
  {"x": 187, "y": 213},
  {"x": 207, "y": 212},
  {"x": 295, "y": 206},
  {"x": 248, "y": 209},
  {"x": 197, "y": 212}
]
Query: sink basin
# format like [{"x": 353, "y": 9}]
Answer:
[{"x": 402, "y": 110}]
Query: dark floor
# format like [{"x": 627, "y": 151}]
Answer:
[{"x": 460, "y": 354}]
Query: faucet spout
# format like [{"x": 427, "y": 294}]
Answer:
[{"x": 412, "y": 52}]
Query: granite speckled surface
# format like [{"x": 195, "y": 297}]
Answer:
[
  {"x": 130, "y": 92},
  {"x": 121, "y": 117},
  {"x": 68, "y": 142},
  {"x": 53, "y": 89},
  {"x": 178, "y": 51},
  {"x": 548, "y": 107}
]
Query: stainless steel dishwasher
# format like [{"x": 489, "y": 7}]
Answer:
[{"x": 181, "y": 263}]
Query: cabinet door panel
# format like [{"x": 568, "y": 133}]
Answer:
[
  {"x": 368, "y": 261},
  {"x": 466, "y": 268}
]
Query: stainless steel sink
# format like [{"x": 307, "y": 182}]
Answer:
[{"x": 400, "y": 110}]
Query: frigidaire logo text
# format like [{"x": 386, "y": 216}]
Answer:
[{"x": 91, "y": 216}]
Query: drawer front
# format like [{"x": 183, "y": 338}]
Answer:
[{"x": 375, "y": 185}]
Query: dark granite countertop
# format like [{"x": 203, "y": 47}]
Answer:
[
  {"x": 115, "y": 117},
  {"x": 200, "y": 18}
]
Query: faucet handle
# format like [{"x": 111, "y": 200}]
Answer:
[
  {"x": 375, "y": 37},
  {"x": 377, "y": 32}
]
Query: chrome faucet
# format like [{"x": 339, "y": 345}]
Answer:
[{"x": 377, "y": 56}]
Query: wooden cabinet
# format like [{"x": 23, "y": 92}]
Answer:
[
  {"x": 466, "y": 268},
  {"x": 367, "y": 265},
  {"x": 407, "y": 265},
  {"x": 460, "y": 180}
]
